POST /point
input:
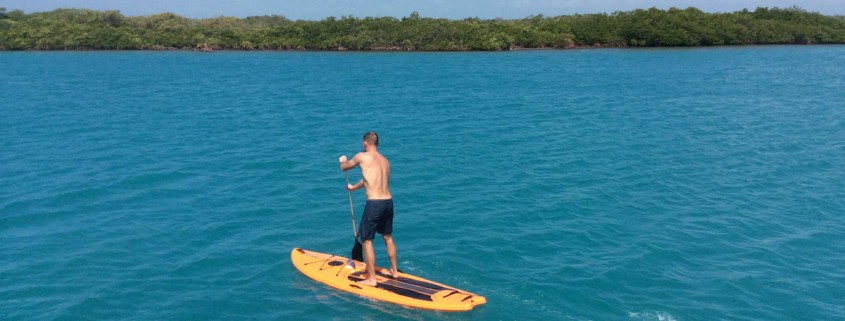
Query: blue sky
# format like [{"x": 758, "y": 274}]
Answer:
[{"x": 452, "y": 9}]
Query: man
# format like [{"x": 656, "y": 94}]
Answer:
[{"x": 378, "y": 213}]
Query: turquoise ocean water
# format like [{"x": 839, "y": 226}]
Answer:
[{"x": 671, "y": 184}]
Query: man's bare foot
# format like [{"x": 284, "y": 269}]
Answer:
[
  {"x": 393, "y": 273},
  {"x": 368, "y": 282}
]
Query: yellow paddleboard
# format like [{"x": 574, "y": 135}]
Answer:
[{"x": 406, "y": 290}]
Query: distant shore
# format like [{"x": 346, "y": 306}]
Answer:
[
  {"x": 82, "y": 29},
  {"x": 515, "y": 49}
]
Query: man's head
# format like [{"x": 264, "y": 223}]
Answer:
[{"x": 371, "y": 138}]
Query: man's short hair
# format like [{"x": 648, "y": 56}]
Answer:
[{"x": 371, "y": 138}]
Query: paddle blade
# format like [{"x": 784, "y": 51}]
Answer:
[{"x": 358, "y": 251}]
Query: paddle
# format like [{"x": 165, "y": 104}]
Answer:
[{"x": 357, "y": 250}]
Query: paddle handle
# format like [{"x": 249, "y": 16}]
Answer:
[{"x": 351, "y": 209}]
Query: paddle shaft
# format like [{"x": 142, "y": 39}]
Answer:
[{"x": 351, "y": 209}]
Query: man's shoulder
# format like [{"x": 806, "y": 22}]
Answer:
[
  {"x": 378, "y": 155},
  {"x": 364, "y": 156}
]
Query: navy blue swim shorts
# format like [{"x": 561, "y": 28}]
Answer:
[{"x": 378, "y": 217}]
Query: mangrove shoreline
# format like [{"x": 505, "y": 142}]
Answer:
[{"x": 83, "y": 29}]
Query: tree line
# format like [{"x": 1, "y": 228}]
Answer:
[{"x": 82, "y": 29}]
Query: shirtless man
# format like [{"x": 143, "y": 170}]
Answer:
[{"x": 378, "y": 213}]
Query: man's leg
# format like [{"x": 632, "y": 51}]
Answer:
[
  {"x": 391, "y": 253},
  {"x": 366, "y": 232},
  {"x": 370, "y": 257}
]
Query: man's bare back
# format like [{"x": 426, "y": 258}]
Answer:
[{"x": 375, "y": 170}]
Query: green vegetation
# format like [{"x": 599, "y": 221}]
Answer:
[{"x": 80, "y": 29}]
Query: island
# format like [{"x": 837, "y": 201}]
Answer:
[{"x": 83, "y": 29}]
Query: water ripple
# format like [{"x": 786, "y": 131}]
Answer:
[{"x": 570, "y": 185}]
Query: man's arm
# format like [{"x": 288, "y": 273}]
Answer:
[
  {"x": 359, "y": 184},
  {"x": 346, "y": 165}
]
